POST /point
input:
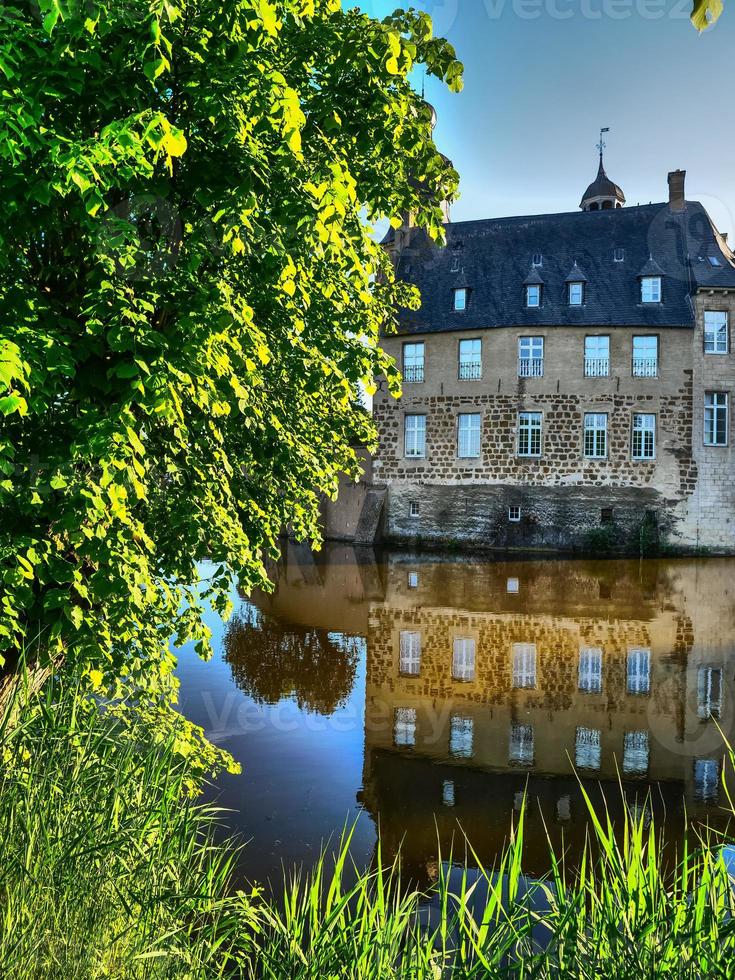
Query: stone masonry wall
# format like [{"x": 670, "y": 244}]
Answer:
[{"x": 563, "y": 496}]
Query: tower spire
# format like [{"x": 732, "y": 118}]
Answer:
[
  {"x": 601, "y": 146},
  {"x": 602, "y": 194}
]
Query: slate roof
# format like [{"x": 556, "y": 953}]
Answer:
[{"x": 493, "y": 259}]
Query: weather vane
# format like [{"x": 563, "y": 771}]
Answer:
[{"x": 602, "y": 144}]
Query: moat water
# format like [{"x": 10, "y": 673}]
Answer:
[{"x": 425, "y": 695}]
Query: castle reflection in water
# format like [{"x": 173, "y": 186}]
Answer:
[{"x": 487, "y": 680}]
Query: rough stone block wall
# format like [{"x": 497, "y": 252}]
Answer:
[{"x": 563, "y": 495}]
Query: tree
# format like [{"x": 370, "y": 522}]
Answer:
[{"x": 191, "y": 296}]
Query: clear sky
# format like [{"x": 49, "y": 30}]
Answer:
[{"x": 542, "y": 77}]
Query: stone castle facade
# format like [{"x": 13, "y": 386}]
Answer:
[{"x": 568, "y": 381}]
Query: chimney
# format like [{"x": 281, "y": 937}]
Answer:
[{"x": 676, "y": 190}]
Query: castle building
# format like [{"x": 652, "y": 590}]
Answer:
[{"x": 568, "y": 379}]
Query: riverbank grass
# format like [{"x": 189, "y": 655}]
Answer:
[{"x": 110, "y": 869}]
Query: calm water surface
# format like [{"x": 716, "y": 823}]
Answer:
[{"x": 425, "y": 695}]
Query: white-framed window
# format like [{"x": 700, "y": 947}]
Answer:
[
  {"x": 538, "y": 259},
  {"x": 645, "y": 357},
  {"x": 576, "y": 293},
  {"x": 596, "y": 357},
  {"x": 524, "y": 665},
  {"x": 409, "y": 662},
  {"x": 414, "y": 508},
  {"x": 460, "y": 299},
  {"x": 650, "y": 289},
  {"x": 413, "y": 580},
  {"x": 470, "y": 359},
  {"x": 595, "y": 435},
  {"x": 530, "y": 357},
  {"x": 414, "y": 445},
  {"x": 469, "y": 426},
  {"x": 643, "y": 443},
  {"x": 635, "y": 753},
  {"x": 714, "y": 261},
  {"x": 709, "y": 692},
  {"x": 715, "y": 418},
  {"x": 639, "y": 670},
  {"x": 514, "y": 513},
  {"x": 619, "y": 255},
  {"x": 461, "y": 736},
  {"x": 404, "y": 727},
  {"x": 716, "y": 333},
  {"x": 533, "y": 296},
  {"x": 520, "y": 745},
  {"x": 513, "y": 585},
  {"x": 588, "y": 748},
  {"x": 448, "y": 792},
  {"x": 590, "y": 670},
  {"x": 529, "y": 433},
  {"x": 706, "y": 779},
  {"x": 413, "y": 362},
  {"x": 463, "y": 659}
]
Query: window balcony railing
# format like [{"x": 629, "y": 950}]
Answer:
[
  {"x": 596, "y": 367},
  {"x": 531, "y": 367},
  {"x": 413, "y": 372},
  {"x": 645, "y": 367},
  {"x": 470, "y": 371}
]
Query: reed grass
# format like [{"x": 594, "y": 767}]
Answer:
[{"x": 109, "y": 869}]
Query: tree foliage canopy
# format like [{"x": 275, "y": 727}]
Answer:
[{"x": 191, "y": 296}]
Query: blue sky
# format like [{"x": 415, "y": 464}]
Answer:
[{"x": 542, "y": 77}]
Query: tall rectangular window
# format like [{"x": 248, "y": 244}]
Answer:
[
  {"x": 715, "y": 418},
  {"x": 404, "y": 727},
  {"x": 576, "y": 293},
  {"x": 644, "y": 437},
  {"x": 413, "y": 362},
  {"x": 468, "y": 435},
  {"x": 706, "y": 779},
  {"x": 709, "y": 692},
  {"x": 470, "y": 360},
  {"x": 588, "y": 748},
  {"x": 590, "y": 670},
  {"x": 596, "y": 357},
  {"x": 460, "y": 299},
  {"x": 635, "y": 753},
  {"x": 529, "y": 433},
  {"x": 463, "y": 659},
  {"x": 595, "y": 435},
  {"x": 651, "y": 289},
  {"x": 415, "y": 437},
  {"x": 461, "y": 737},
  {"x": 410, "y": 653},
  {"x": 524, "y": 665},
  {"x": 530, "y": 357},
  {"x": 645, "y": 357},
  {"x": 533, "y": 296},
  {"x": 716, "y": 339},
  {"x": 639, "y": 670},
  {"x": 520, "y": 745}
]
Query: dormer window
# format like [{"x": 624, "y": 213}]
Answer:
[
  {"x": 460, "y": 299},
  {"x": 538, "y": 259},
  {"x": 714, "y": 261},
  {"x": 576, "y": 293},
  {"x": 651, "y": 289},
  {"x": 533, "y": 296},
  {"x": 455, "y": 264},
  {"x": 619, "y": 255}
]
